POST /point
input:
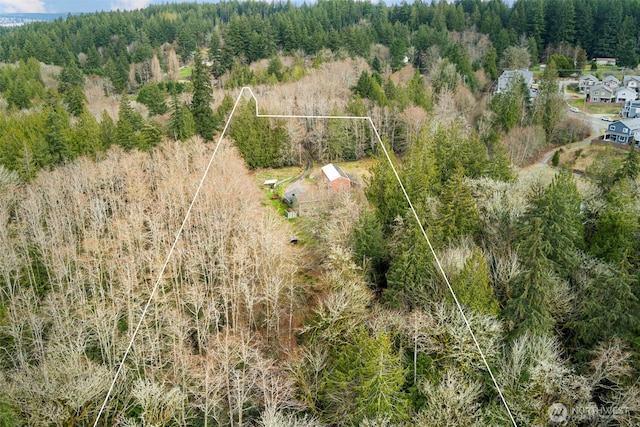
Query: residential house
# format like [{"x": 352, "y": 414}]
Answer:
[
  {"x": 586, "y": 82},
  {"x": 601, "y": 93},
  {"x": 505, "y": 81},
  {"x": 337, "y": 179},
  {"x": 631, "y": 109},
  {"x": 624, "y": 94},
  {"x": 612, "y": 82},
  {"x": 623, "y": 131},
  {"x": 606, "y": 61},
  {"x": 631, "y": 81}
]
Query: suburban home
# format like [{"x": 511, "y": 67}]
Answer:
[
  {"x": 506, "y": 79},
  {"x": 587, "y": 82},
  {"x": 337, "y": 179},
  {"x": 631, "y": 81},
  {"x": 624, "y": 94},
  {"x": 611, "y": 81},
  {"x": 623, "y": 131},
  {"x": 601, "y": 93},
  {"x": 631, "y": 109},
  {"x": 605, "y": 61}
]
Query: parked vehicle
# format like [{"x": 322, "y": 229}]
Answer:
[
  {"x": 607, "y": 119},
  {"x": 575, "y": 109}
]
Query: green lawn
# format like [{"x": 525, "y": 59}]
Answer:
[
  {"x": 597, "y": 109},
  {"x": 185, "y": 72}
]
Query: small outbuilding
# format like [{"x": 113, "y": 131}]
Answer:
[{"x": 338, "y": 180}]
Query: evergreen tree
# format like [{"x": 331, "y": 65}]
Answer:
[
  {"x": 500, "y": 167},
  {"x": 261, "y": 144},
  {"x": 490, "y": 63},
  {"x": 85, "y": 138},
  {"x": 548, "y": 108},
  {"x": 617, "y": 226},
  {"x": 473, "y": 285},
  {"x": 370, "y": 247},
  {"x": 153, "y": 98},
  {"x": 365, "y": 382},
  {"x": 70, "y": 77},
  {"x": 150, "y": 136},
  {"x": 458, "y": 214},
  {"x": 57, "y": 133},
  {"x": 607, "y": 305},
  {"x": 627, "y": 49},
  {"x": 107, "y": 131},
  {"x": 128, "y": 125},
  {"x": 630, "y": 167},
  {"x": 226, "y": 105},
  {"x": 75, "y": 101},
  {"x": 384, "y": 193},
  {"x": 412, "y": 279},
  {"x": 205, "y": 121},
  {"x": 530, "y": 297},
  {"x": 558, "y": 211},
  {"x": 181, "y": 123}
]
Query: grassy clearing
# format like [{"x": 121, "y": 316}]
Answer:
[
  {"x": 185, "y": 72},
  {"x": 579, "y": 159},
  {"x": 597, "y": 109}
]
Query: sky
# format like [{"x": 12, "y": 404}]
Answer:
[
  {"x": 88, "y": 6},
  {"x": 75, "y": 6}
]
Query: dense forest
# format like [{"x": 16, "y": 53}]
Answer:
[{"x": 108, "y": 124}]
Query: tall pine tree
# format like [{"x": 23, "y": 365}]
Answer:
[{"x": 205, "y": 121}]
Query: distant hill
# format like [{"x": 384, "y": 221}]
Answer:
[{"x": 18, "y": 19}]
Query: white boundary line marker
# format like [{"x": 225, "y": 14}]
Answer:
[{"x": 197, "y": 193}]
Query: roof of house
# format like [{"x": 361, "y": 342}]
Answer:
[
  {"x": 631, "y": 123},
  {"x": 611, "y": 79},
  {"x": 333, "y": 172},
  {"x": 504, "y": 81},
  {"x": 589, "y": 77},
  {"x": 598, "y": 87},
  {"x": 625, "y": 89},
  {"x": 625, "y": 79}
]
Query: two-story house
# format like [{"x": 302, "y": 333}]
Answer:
[
  {"x": 601, "y": 93},
  {"x": 624, "y": 94},
  {"x": 587, "y": 82},
  {"x": 631, "y": 109},
  {"x": 506, "y": 80},
  {"x": 612, "y": 82},
  {"x": 631, "y": 81},
  {"x": 623, "y": 131}
]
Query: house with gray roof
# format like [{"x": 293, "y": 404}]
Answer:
[
  {"x": 631, "y": 81},
  {"x": 624, "y": 94},
  {"x": 623, "y": 131},
  {"x": 631, "y": 109},
  {"x": 601, "y": 93},
  {"x": 507, "y": 79},
  {"x": 612, "y": 82},
  {"x": 586, "y": 82}
]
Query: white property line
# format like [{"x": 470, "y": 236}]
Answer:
[{"x": 197, "y": 192}]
